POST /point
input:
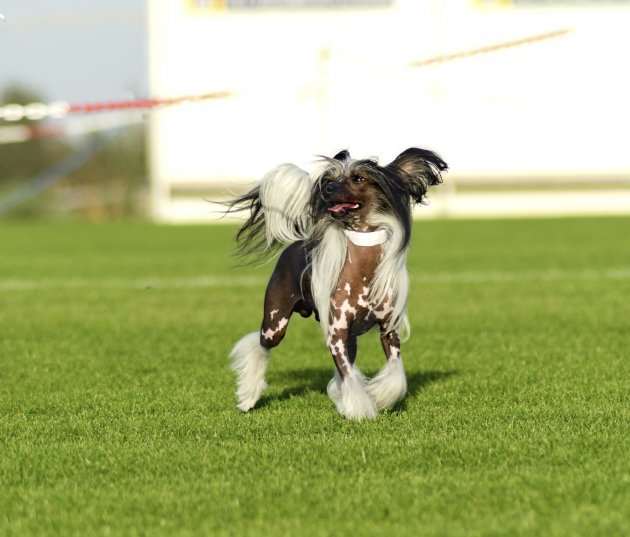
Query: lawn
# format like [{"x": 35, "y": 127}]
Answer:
[{"x": 117, "y": 410}]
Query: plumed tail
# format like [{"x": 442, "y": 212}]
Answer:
[{"x": 278, "y": 208}]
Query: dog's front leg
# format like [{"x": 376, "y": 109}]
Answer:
[
  {"x": 390, "y": 384},
  {"x": 348, "y": 387}
]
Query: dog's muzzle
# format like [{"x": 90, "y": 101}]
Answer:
[{"x": 333, "y": 196}]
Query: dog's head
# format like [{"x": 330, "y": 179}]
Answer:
[{"x": 352, "y": 191}]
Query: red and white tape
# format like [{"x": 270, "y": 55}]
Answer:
[{"x": 38, "y": 111}]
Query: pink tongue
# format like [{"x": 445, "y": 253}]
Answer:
[{"x": 342, "y": 207}]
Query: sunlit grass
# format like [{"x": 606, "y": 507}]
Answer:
[{"x": 117, "y": 411}]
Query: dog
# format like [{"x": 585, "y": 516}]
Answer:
[{"x": 345, "y": 230}]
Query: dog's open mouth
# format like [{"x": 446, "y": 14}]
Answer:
[{"x": 342, "y": 209}]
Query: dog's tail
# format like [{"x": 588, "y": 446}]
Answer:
[{"x": 278, "y": 209}]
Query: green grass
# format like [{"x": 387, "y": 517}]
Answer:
[{"x": 117, "y": 411}]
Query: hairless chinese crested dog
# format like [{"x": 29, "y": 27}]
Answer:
[{"x": 346, "y": 230}]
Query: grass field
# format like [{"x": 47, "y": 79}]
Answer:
[{"x": 117, "y": 411}]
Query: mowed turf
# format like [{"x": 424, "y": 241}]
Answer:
[{"x": 117, "y": 410}]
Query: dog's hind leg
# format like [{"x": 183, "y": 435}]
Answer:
[
  {"x": 390, "y": 384},
  {"x": 250, "y": 355}
]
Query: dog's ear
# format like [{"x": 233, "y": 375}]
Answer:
[
  {"x": 342, "y": 155},
  {"x": 420, "y": 169}
]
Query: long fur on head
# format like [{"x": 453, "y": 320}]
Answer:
[
  {"x": 400, "y": 184},
  {"x": 421, "y": 169}
]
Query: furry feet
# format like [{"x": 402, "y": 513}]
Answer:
[
  {"x": 249, "y": 361},
  {"x": 390, "y": 384},
  {"x": 356, "y": 398},
  {"x": 350, "y": 396}
]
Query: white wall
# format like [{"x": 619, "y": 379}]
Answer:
[{"x": 314, "y": 81}]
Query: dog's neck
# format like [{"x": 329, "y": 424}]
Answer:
[{"x": 366, "y": 238}]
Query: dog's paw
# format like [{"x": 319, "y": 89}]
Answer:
[
  {"x": 389, "y": 386},
  {"x": 354, "y": 402},
  {"x": 249, "y": 361},
  {"x": 334, "y": 388},
  {"x": 247, "y": 396}
]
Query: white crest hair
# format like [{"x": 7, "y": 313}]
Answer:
[{"x": 285, "y": 194}]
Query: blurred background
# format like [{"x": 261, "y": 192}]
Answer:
[{"x": 114, "y": 109}]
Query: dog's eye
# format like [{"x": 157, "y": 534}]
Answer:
[{"x": 358, "y": 179}]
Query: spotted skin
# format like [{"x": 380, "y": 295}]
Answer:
[
  {"x": 353, "y": 314},
  {"x": 351, "y": 311},
  {"x": 271, "y": 333},
  {"x": 390, "y": 342}
]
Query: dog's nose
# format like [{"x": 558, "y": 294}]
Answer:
[{"x": 329, "y": 188}]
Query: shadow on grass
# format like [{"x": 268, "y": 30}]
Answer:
[
  {"x": 308, "y": 380},
  {"x": 418, "y": 381},
  {"x": 316, "y": 379}
]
